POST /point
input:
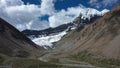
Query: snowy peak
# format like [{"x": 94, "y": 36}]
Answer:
[
  {"x": 47, "y": 37},
  {"x": 88, "y": 12},
  {"x": 105, "y": 11},
  {"x": 88, "y": 15}
]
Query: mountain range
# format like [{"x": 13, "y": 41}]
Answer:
[
  {"x": 48, "y": 37},
  {"x": 96, "y": 43},
  {"x": 90, "y": 41}
]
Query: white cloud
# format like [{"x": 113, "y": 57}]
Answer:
[
  {"x": 93, "y": 1},
  {"x": 11, "y": 2},
  {"x": 27, "y": 16},
  {"x": 20, "y": 15},
  {"x": 109, "y": 2},
  {"x": 47, "y": 7},
  {"x": 102, "y": 3}
]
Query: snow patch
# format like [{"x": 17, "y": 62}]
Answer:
[{"x": 105, "y": 11}]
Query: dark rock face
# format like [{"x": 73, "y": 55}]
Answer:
[
  {"x": 2, "y": 28},
  {"x": 47, "y": 31},
  {"x": 14, "y": 43},
  {"x": 80, "y": 22}
]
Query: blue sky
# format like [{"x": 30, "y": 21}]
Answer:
[
  {"x": 64, "y": 4},
  {"x": 42, "y": 14}
]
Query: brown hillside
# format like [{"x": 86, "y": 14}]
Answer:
[
  {"x": 14, "y": 43},
  {"x": 101, "y": 38}
]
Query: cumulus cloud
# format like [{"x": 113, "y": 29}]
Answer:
[
  {"x": 10, "y": 2},
  {"x": 47, "y": 7},
  {"x": 102, "y": 3},
  {"x": 28, "y": 16},
  {"x": 22, "y": 16}
]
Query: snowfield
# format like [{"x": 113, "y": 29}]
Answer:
[{"x": 49, "y": 40}]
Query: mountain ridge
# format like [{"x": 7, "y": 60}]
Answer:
[{"x": 14, "y": 43}]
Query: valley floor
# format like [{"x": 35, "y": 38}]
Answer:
[
  {"x": 75, "y": 64},
  {"x": 69, "y": 63}
]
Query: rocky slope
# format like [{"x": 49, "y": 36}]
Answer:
[
  {"x": 14, "y": 43},
  {"x": 100, "y": 39}
]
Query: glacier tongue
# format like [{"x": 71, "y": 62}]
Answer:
[{"x": 48, "y": 41}]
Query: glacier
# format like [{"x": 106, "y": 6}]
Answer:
[{"x": 46, "y": 41}]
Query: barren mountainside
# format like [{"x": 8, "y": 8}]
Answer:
[
  {"x": 100, "y": 38},
  {"x": 14, "y": 43}
]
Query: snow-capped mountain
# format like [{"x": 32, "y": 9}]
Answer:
[{"x": 47, "y": 37}]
